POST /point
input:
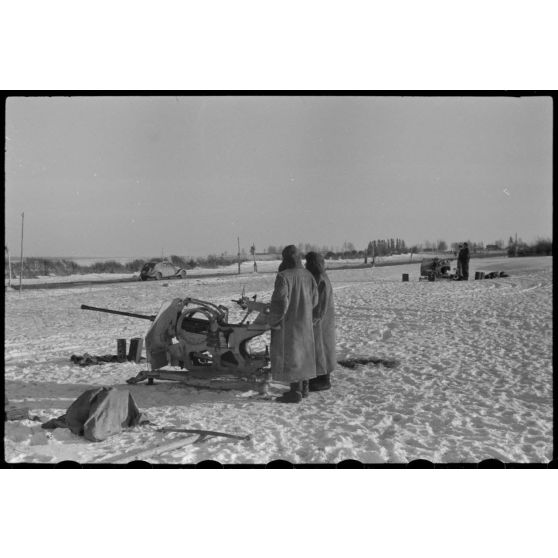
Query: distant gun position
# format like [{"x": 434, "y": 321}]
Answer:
[{"x": 436, "y": 268}]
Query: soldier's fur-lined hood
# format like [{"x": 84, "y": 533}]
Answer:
[
  {"x": 291, "y": 258},
  {"x": 315, "y": 264}
]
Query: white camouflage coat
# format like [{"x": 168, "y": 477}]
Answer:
[
  {"x": 324, "y": 329},
  {"x": 292, "y": 335}
]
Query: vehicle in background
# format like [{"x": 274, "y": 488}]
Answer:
[{"x": 161, "y": 270}]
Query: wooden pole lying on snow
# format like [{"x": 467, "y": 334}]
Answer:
[
  {"x": 158, "y": 448},
  {"x": 204, "y": 433},
  {"x": 195, "y": 436}
]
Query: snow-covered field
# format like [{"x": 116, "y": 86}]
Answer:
[{"x": 473, "y": 380}]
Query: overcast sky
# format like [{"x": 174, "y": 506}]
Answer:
[{"x": 138, "y": 176}]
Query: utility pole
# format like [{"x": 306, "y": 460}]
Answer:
[
  {"x": 238, "y": 241},
  {"x": 253, "y": 252},
  {"x": 9, "y": 267},
  {"x": 21, "y": 256},
  {"x": 516, "y": 245}
]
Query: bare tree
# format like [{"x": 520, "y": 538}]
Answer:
[{"x": 442, "y": 246}]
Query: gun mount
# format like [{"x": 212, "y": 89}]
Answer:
[{"x": 196, "y": 337}]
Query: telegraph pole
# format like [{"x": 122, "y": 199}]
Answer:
[
  {"x": 21, "y": 256},
  {"x": 238, "y": 241},
  {"x": 253, "y": 251},
  {"x": 9, "y": 267}
]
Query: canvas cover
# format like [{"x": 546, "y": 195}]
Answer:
[{"x": 99, "y": 413}]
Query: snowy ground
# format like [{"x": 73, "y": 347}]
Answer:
[{"x": 474, "y": 379}]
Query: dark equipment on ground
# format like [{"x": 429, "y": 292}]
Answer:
[
  {"x": 92, "y": 360},
  {"x": 490, "y": 274},
  {"x": 352, "y": 363},
  {"x": 196, "y": 336}
]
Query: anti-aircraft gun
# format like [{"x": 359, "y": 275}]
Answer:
[
  {"x": 197, "y": 337},
  {"x": 435, "y": 268}
]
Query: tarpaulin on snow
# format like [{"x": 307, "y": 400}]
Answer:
[{"x": 99, "y": 413}]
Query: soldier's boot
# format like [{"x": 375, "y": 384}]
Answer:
[
  {"x": 292, "y": 396},
  {"x": 320, "y": 383}
]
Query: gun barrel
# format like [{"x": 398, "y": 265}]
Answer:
[{"x": 119, "y": 312}]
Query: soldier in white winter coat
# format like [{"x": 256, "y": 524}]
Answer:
[
  {"x": 293, "y": 358},
  {"x": 324, "y": 324}
]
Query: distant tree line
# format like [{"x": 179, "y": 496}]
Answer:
[
  {"x": 35, "y": 267},
  {"x": 386, "y": 247},
  {"x": 380, "y": 247},
  {"x": 541, "y": 247},
  {"x": 211, "y": 261}
]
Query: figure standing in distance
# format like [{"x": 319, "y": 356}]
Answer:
[
  {"x": 464, "y": 256},
  {"x": 294, "y": 298},
  {"x": 459, "y": 269},
  {"x": 324, "y": 324}
]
